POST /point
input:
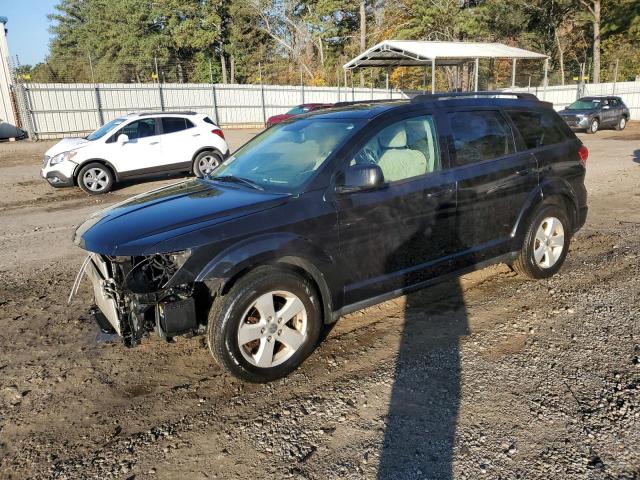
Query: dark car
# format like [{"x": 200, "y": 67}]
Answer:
[
  {"x": 593, "y": 113},
  {"x": 299, "y": 110},
  {"x": 334, "y": 211}
]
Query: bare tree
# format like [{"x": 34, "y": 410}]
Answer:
[
  {"x": 363, "y": 34},
  {"x": 593, "y": 6}
]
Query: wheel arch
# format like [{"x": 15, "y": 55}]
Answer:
[
  {"x": 557, "y": 192},
  {"x": 284, "y": 250},
  {"x": 102, "y": 161}
]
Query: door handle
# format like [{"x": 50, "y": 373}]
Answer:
[
  {"x": 524, "y": 172},
  {"x": 154, "y": 143},
  {"x": 195, "y": 135},
  {"x": 440, "y": 193}
]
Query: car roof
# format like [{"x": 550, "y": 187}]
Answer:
[
  {"x": 370, "y": 109},
  {"x": 176, "y": 113}
]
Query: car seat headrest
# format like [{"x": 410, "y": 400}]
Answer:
[{"x": 394, "y": 137}]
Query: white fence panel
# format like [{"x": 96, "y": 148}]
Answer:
[{"x": 55, "y": 110}]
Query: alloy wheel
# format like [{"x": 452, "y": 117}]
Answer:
[
  {"x": 208, "y": 164},
  {"x": 95, "y": 179},
  {"x": 272, "y": 329},
  {"x": 549, "y": 242}
]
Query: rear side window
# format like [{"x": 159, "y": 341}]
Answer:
[
  {"x": 175, "y": 124},
  {"x": 480, "y": 135},
  {"x": 208, "y": 120},
  {"x": 538, "y": 129}
]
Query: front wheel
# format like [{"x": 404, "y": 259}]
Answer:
[
  {"x": 593, "y": 126},
  {"x": 546, "y": 243},
  {"x": 205, "y": 163},
  {"x": 266, "y": 325},
  {"x": 621, "y": 123},
  {"x": 95, "y": 179}
]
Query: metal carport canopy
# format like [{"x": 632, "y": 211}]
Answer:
[{"x": 392, "y": 53}]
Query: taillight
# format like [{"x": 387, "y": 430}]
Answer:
[
  {"x": 218, "y": 132},
  {"x": 583, "y": 153}
]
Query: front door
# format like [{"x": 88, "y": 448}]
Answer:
[
  {"x": 493, "y": 180},
  {"x": 397, "y": 236},
  {"x": 142, "y": 153}
]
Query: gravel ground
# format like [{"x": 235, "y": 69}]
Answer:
[{"x": 486, "y": 376}]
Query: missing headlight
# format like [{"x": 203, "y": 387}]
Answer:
[{"x": 151, "y": 273}]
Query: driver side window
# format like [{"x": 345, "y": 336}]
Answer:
[
  {"x": 405, "y": 149},
  {"x": 138, "y": 129}
]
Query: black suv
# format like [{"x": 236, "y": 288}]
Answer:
[
  {"x": 335, "y": 211},
  {"x": 593, "y": 113}
]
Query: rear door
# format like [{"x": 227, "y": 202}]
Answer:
[
  {"x": 398, "y": 235},
  {"x": 493, "y": 179},
  {"x": 180, "y": 140}
]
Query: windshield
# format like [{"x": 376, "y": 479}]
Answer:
[
  {"x": 585, "y": 104},
  {"x": 299, "y": 110},
  {"x": 104, "y": 129},
  {"x": 283, "y": 157}
]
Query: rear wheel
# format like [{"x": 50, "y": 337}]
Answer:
[
  {"x": 95, "y": 179},
  {"x": 621, "y": 123},
  {"x": 593, "y": 126},
  {"x": 266, "y": 325},
  {"x": 545, "y": 244},
  {"x": 205, "y": 163}
]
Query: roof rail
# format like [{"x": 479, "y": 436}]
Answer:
[
  {"x": 439, "y": 96},
  {"x": 144, "y": 114},
  {"x": 361, "y": 102}
]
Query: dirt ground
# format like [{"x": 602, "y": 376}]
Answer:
[{"x": 487, "y": 376}]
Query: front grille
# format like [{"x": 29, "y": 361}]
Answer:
[{"x": 45, "y": 160}]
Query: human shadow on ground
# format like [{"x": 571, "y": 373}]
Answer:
[{"x": 420, "y": 431}]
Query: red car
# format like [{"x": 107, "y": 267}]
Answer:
[{"x": 299, "y": 110}]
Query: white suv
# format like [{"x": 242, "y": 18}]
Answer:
[{"x": 136, "y": 145}]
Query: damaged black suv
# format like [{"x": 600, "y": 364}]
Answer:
[{"x": 332, "y": 212}]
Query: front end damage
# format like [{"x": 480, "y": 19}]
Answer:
[{"x": 133, "y": 296}]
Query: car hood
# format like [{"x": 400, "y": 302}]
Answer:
[
  {"x": 279, "y": 118},
  {"x": 137, "y": 225},
  {"x": 67, "y": 144},
  {"x": 583, "y": 111}
]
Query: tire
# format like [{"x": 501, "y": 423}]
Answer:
[
  {"x": 530, "y": 262},
  {"x": 594, "y": 126},
  {"x": 622, "y": 123},
  {"x": 95, "y": 178},
  {"x": 267, "y": 356},
  {"x": 206, "y": 162}
]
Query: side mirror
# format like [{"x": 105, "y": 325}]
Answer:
[
  {"x": 361, "y": 178},
  {"x": 122, "y": 139}
]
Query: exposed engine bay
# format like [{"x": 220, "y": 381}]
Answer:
[{"x": 132, "y": 297}]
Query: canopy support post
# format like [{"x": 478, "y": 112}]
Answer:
[
  {"x": 475, "y": 74},
  {"x": 513, "y": 73},
  {"x": 433, "y": 75}
]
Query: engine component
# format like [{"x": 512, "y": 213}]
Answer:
[{"x": 175, "y": 316}]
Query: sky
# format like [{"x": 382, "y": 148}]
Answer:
[{"x": 28, "y": 28}]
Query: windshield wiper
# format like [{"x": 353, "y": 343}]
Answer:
[{"x": 234, "y": 179}]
